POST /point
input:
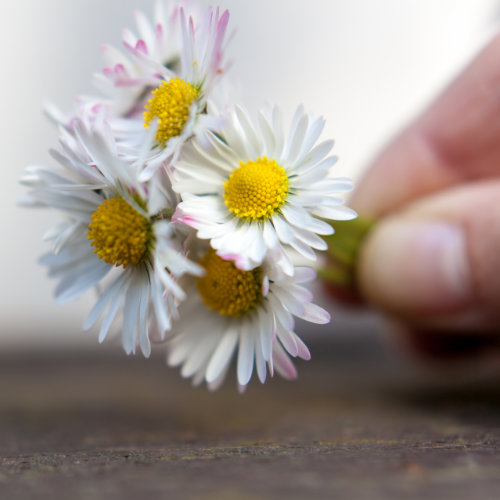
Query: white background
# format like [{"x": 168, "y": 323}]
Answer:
[{"x": 368, "y": 66}]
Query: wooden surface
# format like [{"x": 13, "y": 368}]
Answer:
[{"x": 360, "y": 423}]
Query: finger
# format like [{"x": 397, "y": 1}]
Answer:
[
  {"x": 437, "y": 263},
  {"x": 457, "y": 139}
]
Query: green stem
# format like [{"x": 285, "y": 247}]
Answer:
[
  {"x": 165, "y": 214},
  {"x": 343, "y": 251}
]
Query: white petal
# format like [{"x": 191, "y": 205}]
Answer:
[
  {"x": 267, "y": 328},
  {"x": 260, "y": 362},
  {"x": 313, "y": 133},
  {"x": 282, "y": 315},
  {"x": 313, "y": 175},
  {"x": 337, "y": 185},
  {"x": 335, "y": 213},
  {"x": 287, "y": 339},
  {"x": 213, "y": 386},
  {"x": 315, "y": 156},
  {"x": 253, "y": 144},
  {"x": 161, "y": 312},
  {"x": 269, "y": 234},
  {"x": 314, "y": 314},
  {"x": 283, "y": 230},
  {"x": 130, "y": 313},
  {"x": 200, "y": 353},
  {"x": 103, "y": 302},
  {"x": 296, "y": 140},
  {"x": 320, "y": 227},
  {"x": 303, "y": 249},
  {"x": 222, "y": 356},
  {"x": 291, "y": 303},
  {"x": 267, "y": 135},
  {"x": 110, "y": 315},
  {"x": 180, "y": 347},
  {"x": 303, "y": 350},
  {"x": 296, "y": 216},
  {"x": 283, "y": 363},
  {"x": 144, "y": 341},
  {"x": 297, "y": 123},
  {"x": 245, "y": 356},
  {"x": 71, "y": 287},
  {"x": 304, "y": 274},
  {"x": 310, "y": 239}
]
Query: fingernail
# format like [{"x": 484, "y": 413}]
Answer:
[{"x": 416, "y": 265}]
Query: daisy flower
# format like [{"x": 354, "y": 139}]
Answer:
[
  {"x": 254, "y": 192},
  {"x": 248, "y": 314},
  {"x": 162, "y": 90},
  {"x": 178, "y": 107},
  {"x": 116, "y": 236},
  {"x": 127, "y": 80}
]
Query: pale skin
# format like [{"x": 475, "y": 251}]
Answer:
[{"x": 432, "y": 262}]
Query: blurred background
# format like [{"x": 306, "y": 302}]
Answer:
[{"x": 367, "y": 66}]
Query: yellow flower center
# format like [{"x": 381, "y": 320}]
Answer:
[
  {"x": 170, "y": 105},
  {"x": 228, "y": 290},
  {"x": 256, "y": 189},
  {"x": 119, "y": 234}
]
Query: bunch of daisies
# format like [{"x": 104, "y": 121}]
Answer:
[{"x": 186, "y": 214}]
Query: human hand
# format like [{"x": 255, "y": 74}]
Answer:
[{"x": 432, "y": 260}]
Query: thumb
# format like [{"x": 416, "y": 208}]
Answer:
[{"x": 437, "y": 263}]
